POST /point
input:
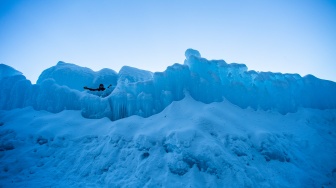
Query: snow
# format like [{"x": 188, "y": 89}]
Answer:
[
  {"x": 203, "y": 123},
  {"x": 188, "y": 144}
]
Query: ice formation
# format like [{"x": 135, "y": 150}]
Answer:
[
  {"x": 7, "y": 71},
  {"x": 139, "y": 92},
  {"x": 199, "y": 133},
  {"x": 188, "y": 144}
]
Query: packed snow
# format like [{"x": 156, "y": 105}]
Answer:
[
  {"x": 188, "y": 144},
  {"x": 204, "y": 123}
]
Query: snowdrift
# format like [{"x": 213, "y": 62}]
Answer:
[
  {"x": 188, "y": 144},
  {"x": 139, "y": 92}
]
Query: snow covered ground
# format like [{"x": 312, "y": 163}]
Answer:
[
  {"x": 205, "y": 123},
  {"x": 188, "y": 144}
]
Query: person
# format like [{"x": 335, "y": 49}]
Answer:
[{"x": 100, "y": 88}]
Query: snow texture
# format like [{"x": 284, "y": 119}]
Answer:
[
  {"x": 139, "y": 92},
  {"x": 205, "y": 123},
  {"x": 188, "y": 144}
]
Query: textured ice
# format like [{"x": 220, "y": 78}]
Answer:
[
  {"x": 140, "y": 92},
  {"x": 6, "y": 71},
  {"x": 197, "y": 135},
  {"x": 76, "y": 77}
]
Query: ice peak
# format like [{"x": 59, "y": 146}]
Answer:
[
  {"x": 6, "y": 71},
  {"x": 61, "y": 63},
  {"x": 191, "y": 52}
]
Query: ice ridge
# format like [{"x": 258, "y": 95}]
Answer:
[{"x": 143, "y": 93}]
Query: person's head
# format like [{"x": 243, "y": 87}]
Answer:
[{"x": 101, "y": 86}]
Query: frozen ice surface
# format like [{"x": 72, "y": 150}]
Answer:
[
  {"x": 76, "y": 77},
  {"x": 7, "y": 71},
  {"x": 203, "y": 123},
  {"x": 140, "y": 92}
]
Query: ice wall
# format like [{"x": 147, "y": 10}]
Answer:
[
  {"x": 139, "y": 92},
  {"x": 76, "y": 77}
]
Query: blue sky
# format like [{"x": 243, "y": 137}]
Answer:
[{"x": 288, "y": 36}]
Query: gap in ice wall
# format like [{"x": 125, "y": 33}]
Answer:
[{"x": 143, "y": 93}]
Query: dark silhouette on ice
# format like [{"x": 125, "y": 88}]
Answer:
[{"x": 100, "y": 88}]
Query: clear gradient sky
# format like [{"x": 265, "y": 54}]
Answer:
[{"x": 288, "y": 36}]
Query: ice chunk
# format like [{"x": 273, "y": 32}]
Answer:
[
  {"x": 6, "y": 71},
  {"x": 76, "y": 77},
  {"x": 191, "y": 52},
  {"x": 129, "y": 75}
]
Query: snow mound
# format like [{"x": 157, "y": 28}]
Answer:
[
  {"x": 140, "y": 92},
  {"x": 188, "y": 144}
]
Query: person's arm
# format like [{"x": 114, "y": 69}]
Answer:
[{"x": 90, "y": 89}]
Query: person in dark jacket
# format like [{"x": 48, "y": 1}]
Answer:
[{"x": 100, "y": 88}]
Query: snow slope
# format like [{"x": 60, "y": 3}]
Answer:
[{"x": 188, "y": 144}]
